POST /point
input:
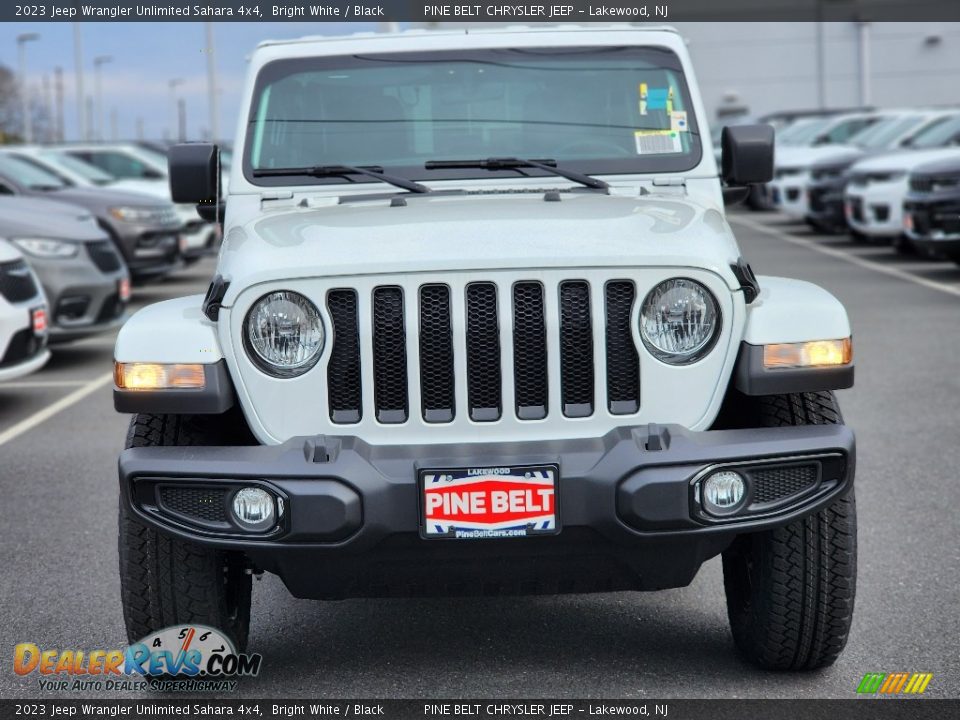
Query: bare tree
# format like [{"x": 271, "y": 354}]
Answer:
[{"x": 11, "y": 114}]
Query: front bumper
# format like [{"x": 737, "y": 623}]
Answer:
[
  {"x": 627, "y": 507},
  {"x": 83, "y": 300},
  {"x": 933, "y": 222},
  {"x": 877, "y": 212},
  {"x": 788, "y": 193},
  {"x": 825, "y": 205}
]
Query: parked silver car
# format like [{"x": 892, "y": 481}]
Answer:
[{"x": 85, "y": 280}]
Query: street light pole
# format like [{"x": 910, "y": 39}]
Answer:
[
  {"x": 22, "y": 41},
  {"x": 175, "y": 112},
  {"x": 78, "y": 68},
  {"x": 212, "y": 86},
  {"x": 99, "y": 62},
  {"x": 58, "y": 98}
]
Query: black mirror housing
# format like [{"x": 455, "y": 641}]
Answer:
[
  {"x": 746, "y": 154},
  {"x": 194, "y": 173}
]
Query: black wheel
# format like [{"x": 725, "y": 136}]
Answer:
[
  {"x": 166, "y": 582},
  {"x": 790, "y": 591}
]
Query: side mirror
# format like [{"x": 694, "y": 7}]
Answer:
[
  {"x": 194, "y": 173},
  {"x": 746, "y": 154}
]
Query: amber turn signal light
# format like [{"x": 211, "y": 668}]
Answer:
[
  {"x": 815, "y": 353},
  {"x": 157, "y": 376}
]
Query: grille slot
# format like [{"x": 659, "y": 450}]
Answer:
[
  {"x": 436, "y": 354},
  {"x": 16, "y": 281},
  {"x": 529, "y": 351},
  {"x": 772, "y": 485},
  {"x": 389, "y": 356},
  {"x": 623, "y": 363},
  {"x": 576, "y": 349},
  {"x": 343, "y": 370},
  {"x": 207, "y": 505},
  {"x": 103, "y": 255},
  {"x": 484, "y": 382}
]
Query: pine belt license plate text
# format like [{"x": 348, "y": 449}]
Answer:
[{"x": 491, "y": 502}]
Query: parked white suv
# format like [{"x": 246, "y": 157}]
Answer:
[
  {"x": 479, "y": 325},
  {"x": 23, "y": 316}
]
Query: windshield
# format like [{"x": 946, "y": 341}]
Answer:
[
  {"x": 594, "y": 110},
  {"x": 29, "y": 175},
  {"x": 802, "y": 132},
  {"x": 945, "y": 132},
  {"x": 886, "y": 132},
  {"x": 84, "y": 170}
]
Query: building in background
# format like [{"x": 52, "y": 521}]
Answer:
[{"x": 762, "y": 67}]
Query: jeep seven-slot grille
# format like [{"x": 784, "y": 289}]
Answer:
[
  {"x": 343, "y": 370},
  {"x": 487, "y": 343},
  {"x": 389, "y": 355},
  {"x": 623, "y": 363},
  {"x": 484, "y": 384},
  {"x": 436, "y": 354}
]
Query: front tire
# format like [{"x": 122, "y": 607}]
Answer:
[
  {"x": 164, "y": 581},
  {"x": 790, "y": 591}
]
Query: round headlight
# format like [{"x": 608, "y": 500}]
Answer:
[
  {"x": 284, "y": 334},
  {"x": 679, "y": 321}
]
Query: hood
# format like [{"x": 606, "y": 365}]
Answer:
[
  {"x": 33, "y": 217},
  {"x": 477, "y": 232},
  {"x": 905, "y": 160},
  {"x": 805, "y": 157}
]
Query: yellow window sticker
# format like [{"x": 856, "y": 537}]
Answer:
[{"x": 657, "y": 142}]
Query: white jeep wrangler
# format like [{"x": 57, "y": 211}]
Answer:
[{"x": 479, "y": 326}]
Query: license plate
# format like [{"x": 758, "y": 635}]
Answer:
[
  {"x": 38, "y": 320},
  {"x": 491, "y": 502}
]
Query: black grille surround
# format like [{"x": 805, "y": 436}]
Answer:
[
  {"x": 389, "y": 356},
  {"x": 623, "y": 362},
  {"x": 576, "y": 349},
  {"x": 568, "y": 344},
  {"x": 16, "y": 282},
  {"x": 104, "y": 256},
  {"x": 484, "y": 381},
  {"x": 529, "y": 351},
  {"x": 436, "y": 354},
  {"x": 343, "y": 369}
]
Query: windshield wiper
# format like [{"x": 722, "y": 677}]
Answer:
[
  {"x": 374, "y": 171},
  {"x": 512, "y": 163}
]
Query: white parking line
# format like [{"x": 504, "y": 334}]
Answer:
[
  {"x": 42, "y": 384},
  {"x": 49, "y": 411},
  {"x": 851, "y": 258}
]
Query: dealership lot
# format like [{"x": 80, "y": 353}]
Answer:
[{"x": 59, "y": 438}]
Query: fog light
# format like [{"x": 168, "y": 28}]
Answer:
[
  {"x": 253, "y": 508},
  {"x": 723, "y": 492}
]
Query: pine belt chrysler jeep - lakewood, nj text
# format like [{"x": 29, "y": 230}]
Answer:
[{"x": 479, "y": 325}]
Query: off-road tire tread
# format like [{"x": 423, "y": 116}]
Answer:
[
  {"x": 166, "y": 581},
  {"x": 796, "y": 611}
]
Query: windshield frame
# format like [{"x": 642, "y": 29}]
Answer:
[{"x": 663, "y": 57}]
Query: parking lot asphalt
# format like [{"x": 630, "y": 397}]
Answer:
[{"x": 59, "y": 559}]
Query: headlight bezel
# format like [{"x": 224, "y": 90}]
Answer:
[
  {"x": 263, "y": 363},
  {"x": 67, "y": 248},
  {"x": 702, "y": 349}
]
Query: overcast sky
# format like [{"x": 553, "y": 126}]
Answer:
[{"x": 145, "y": 57}]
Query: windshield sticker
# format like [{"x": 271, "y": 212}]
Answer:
[
  {"x": 657, "y": 98},
  {"x": 678, "y": 121},
  {"x": 657, "y": 142}
]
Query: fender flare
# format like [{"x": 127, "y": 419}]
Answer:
[
  {"x": 790, "y": 311},
  {"x": 169, "y": 332}
]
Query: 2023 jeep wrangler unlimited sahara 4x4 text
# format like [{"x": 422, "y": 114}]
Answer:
[{"x": 479, "y": 325}]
